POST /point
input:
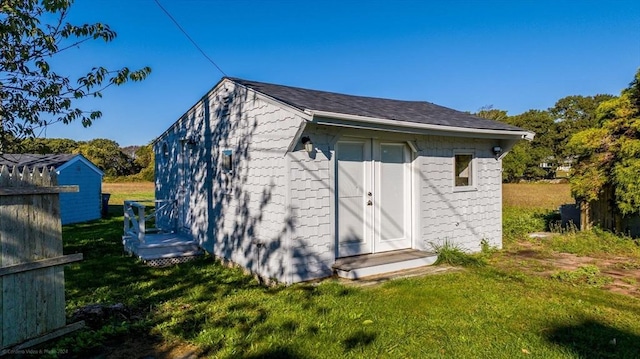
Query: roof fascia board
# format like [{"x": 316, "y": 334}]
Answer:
[
  {"x": 82, "y": 159},
  {"x": 296, "y": 137},
  {"x": 355, "y": 121}
]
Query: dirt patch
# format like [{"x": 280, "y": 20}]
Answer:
[
  {"x": 148, "y": 347},
  {"x": 532, "y": 258}
]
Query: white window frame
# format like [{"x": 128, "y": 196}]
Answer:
[
  {"x": 473, "y": 173},
  {"x": 165, "y": 151},
  {"x": 226, "y": 161}
]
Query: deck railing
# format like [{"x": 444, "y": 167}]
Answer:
[{"x": 136, "y": 217}]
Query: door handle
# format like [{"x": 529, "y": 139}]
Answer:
[{"x": 369, "y": 203}]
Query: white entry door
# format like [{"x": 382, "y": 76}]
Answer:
[
  {"x": 392, "y": 196},
  {"x": 373, "y": 196},
  {"x": 353, "y": 186}
]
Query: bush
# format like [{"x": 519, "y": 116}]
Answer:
[
  {"x": 518, "y": 222},
  {"x": 449, "y": 253}
]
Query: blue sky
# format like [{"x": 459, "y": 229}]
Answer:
[{"x": 512, "y": 55}]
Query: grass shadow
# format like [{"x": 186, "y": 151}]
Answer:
[
  {"x": 276, "y": 353},
  {"x": 591, "y": 339},
  {"x": 359, "y": 339},
  {"x": 551, "y": 218}
]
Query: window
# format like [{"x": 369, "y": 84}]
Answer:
[
  {"x": 464, "y": 171},
  {"x": 227, "y": 161},
  {"x": 165, "y": 150}
]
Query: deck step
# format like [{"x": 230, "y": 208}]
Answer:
[
  {"x": 162, "y": 249},
  {"x": 374, "y": 264}
]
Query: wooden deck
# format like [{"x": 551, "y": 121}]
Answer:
[
  {"x": 157, "y": 247},
  {"x": 374, "y": 264},
  {"x": 162, "y": 249}
]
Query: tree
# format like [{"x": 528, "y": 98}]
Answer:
[
  {"x": 145, "y": 159},
  {"x": 574, "y": 114},
  {"x": 44, "y": 146},
  {"x": 491, "y": 113},
  {"x": 32, "y": 94},
  {"x": 517, "y": 161},
  {"x": 608, "y": 157},
  {"x": 524, "y": 160},
  {"x": 107, "y": 156}
]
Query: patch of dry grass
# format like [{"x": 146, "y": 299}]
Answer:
[
  {"x": 536, "y": 195},
  {"x": 128, "y": 191}
]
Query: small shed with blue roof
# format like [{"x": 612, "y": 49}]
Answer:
[{"x": 72, "y": 169}]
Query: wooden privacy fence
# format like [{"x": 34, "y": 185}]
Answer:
[
  {"x": 32, "y": 304},
  {"x": 604, "y": 213}
]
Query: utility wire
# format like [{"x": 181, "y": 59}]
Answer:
[{"x": 189, "y": 37}]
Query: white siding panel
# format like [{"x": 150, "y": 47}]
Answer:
[
  {"x": 311, "y": 191},
  {"x": 464, "y": 218},
  {"x": 255, "y": 223}
]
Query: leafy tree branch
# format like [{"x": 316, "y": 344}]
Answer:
[{"x": 32, "y": 94}]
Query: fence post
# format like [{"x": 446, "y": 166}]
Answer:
[{"x": 32, "y": 303}]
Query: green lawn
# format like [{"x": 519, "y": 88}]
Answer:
[{"x": 486, "y": 311}]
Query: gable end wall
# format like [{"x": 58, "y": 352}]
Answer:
[
  {"x": 84, "y": 205},
  {"x": 242, "y": 216}
]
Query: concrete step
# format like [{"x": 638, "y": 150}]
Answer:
[{"x": 379, "y": 263}]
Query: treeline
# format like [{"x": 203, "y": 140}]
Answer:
[
  {"x": 548, "y": 155},
  {"x": 598, "y": 137},
  {"x": 133, "y": 162}
]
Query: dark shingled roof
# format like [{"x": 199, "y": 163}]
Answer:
[
  {"x": 32, "y": 160},
  {"x": 419, "y": 112}
]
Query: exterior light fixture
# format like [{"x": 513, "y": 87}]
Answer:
[
  {"x": 192, "y": 140},
  {"x": 497, "y": 151},
  {"x": 308, "y": 145}
]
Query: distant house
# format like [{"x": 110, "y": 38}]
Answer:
[
  {"x": 295, "y": 184},
  {"x": 72, "y": 169}
]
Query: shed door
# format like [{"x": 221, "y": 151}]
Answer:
[
  {"x": 353, "y": 186},
  {"x": 374, "y": 196},
  {"x": 392, "y": 196}
]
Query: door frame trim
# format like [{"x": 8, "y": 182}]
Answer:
[{"x": 413, "y": 184}]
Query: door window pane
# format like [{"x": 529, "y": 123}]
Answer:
[{"x": 463, "y": 170}]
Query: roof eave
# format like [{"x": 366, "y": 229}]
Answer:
[
  {"x": 364, "y": 120},
  {"x": 82, "y": 159}
]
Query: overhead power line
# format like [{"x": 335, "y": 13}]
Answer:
[{"x": 189, "y": 37}]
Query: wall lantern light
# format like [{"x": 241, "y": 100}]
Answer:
[
  {"x": 192, "y": 140},
  {"x": 308, "y": 145},
  {"x": 497, "y": 151}
]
